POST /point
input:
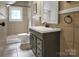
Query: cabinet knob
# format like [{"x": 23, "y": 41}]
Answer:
[
  {"x": 38, "y": 53},
  {"x": 39, "y": 43}
]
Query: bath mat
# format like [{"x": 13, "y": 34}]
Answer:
[{"x": 25, "y": 46}]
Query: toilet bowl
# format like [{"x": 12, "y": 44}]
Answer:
[{"x": 25, "y": 38}]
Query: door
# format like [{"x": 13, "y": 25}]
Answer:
[
  {"x": 3, "y": 28},
  {"x": 66, "y": 40},
  {"x": 76, "y": 34}
]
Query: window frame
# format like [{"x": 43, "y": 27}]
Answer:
[{"x": 15, "y": 8}]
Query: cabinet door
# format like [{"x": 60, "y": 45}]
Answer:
[
  {"x": 39, "y": 52},
  {"x": 33, "y": 43},
  {"x": 39, "y": 47},
  {"x": 39, "y": 43}
]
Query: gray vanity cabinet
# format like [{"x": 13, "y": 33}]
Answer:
[{"x": 45, "y": 44}]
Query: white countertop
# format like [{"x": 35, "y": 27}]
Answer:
[{"x": 43, "y": 29}]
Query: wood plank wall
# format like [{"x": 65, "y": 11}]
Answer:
[{"x": 70, "y": 32}]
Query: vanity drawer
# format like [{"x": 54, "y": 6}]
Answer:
[
  {"x": 39, "y": 52},
  {"x": 39, "y": 43},
  {"x": 37, "y": 34}
]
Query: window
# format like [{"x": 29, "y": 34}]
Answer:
[{"x": 15, "y": 13}]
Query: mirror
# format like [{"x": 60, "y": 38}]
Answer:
[{"x": 50, "y": 12}]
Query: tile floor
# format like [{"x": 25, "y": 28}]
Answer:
[{"x": 12, "y": 48}]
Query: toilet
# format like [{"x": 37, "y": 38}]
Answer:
[{"x": 24, "y": 37}]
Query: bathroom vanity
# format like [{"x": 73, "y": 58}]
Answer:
[{"x": 45, "y": 42}]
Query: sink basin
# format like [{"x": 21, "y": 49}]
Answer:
[{"x": 43, "y": 29}]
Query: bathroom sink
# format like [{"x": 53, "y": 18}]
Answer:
[{"x": 43, "y": 29}]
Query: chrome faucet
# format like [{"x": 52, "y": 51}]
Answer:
[{"x": 45, "y": 24}]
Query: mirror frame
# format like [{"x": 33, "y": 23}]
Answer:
[{"x": 50, "y": 22}]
